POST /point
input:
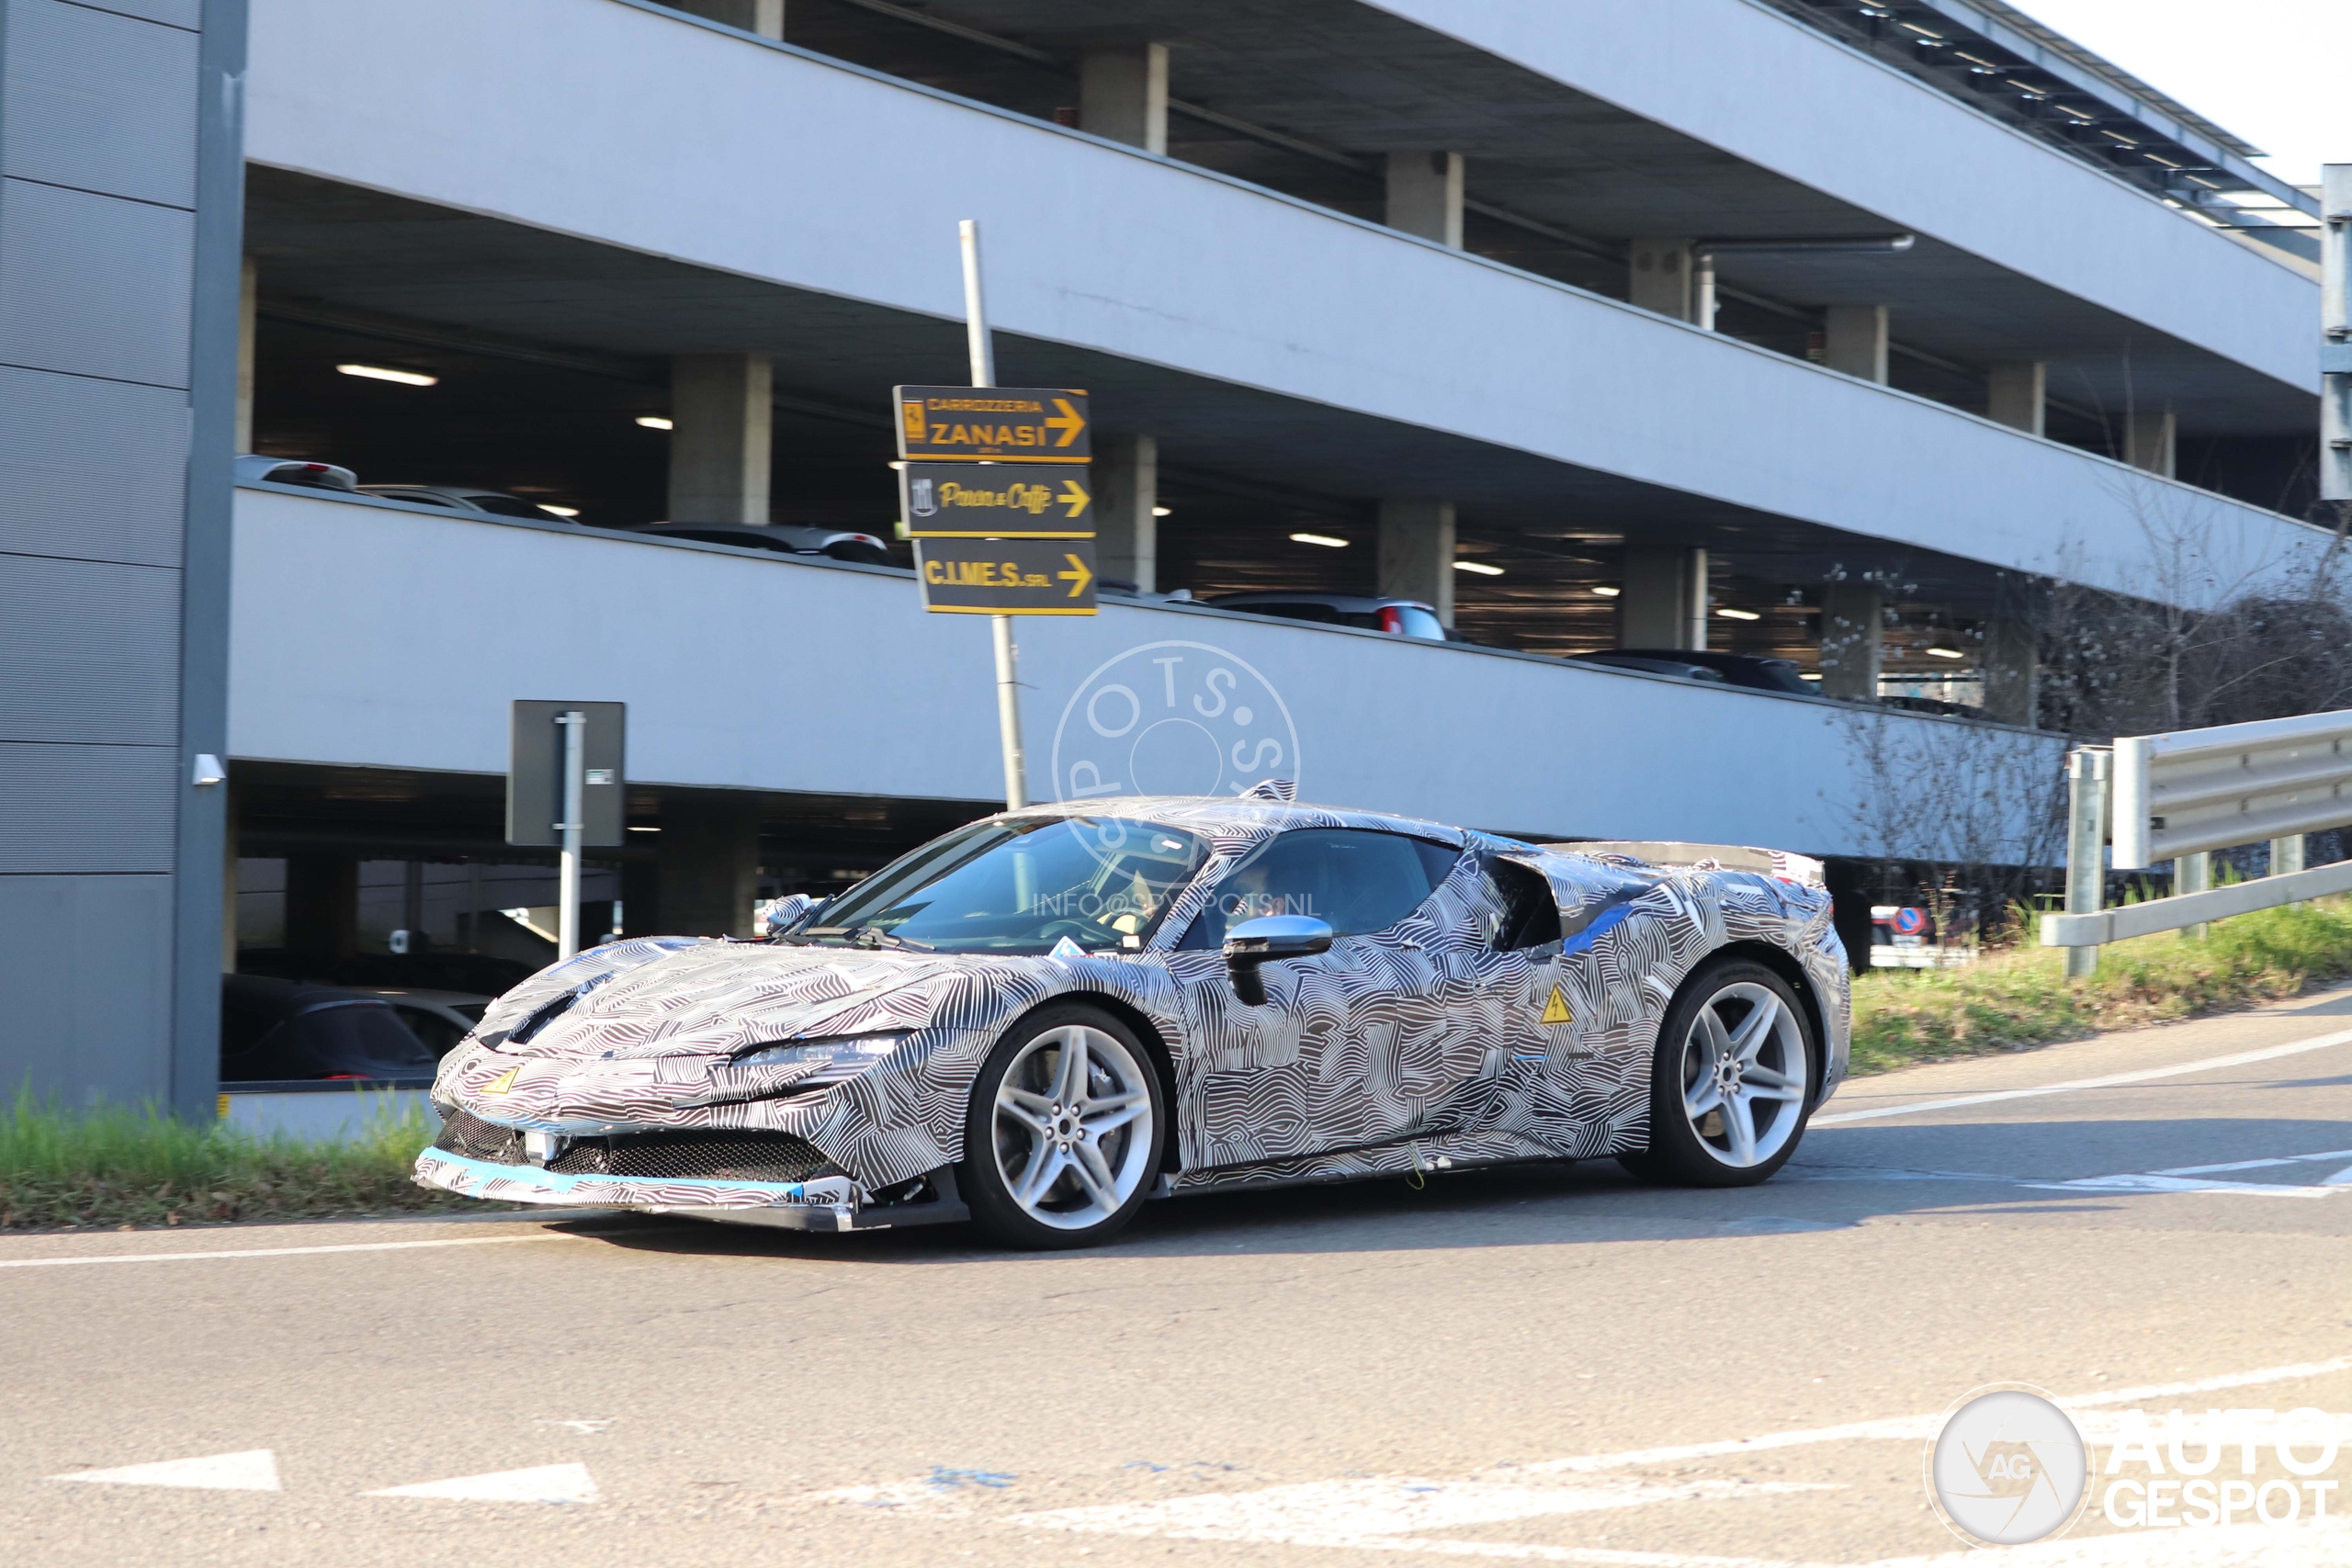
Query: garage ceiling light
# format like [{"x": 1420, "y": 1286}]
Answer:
[
  {"x": 560, "y": 511},
  {"x": 1945, "y": 653},
  {"x": 655, "y": 422},
  {"x": 1162, "y": 512},
  {"x": 1739, "y": 615},
  {"x": 1324, "y": 539},
  {"x": 380, "y": 373},
  {"x": 1606, "y": 591},
  {"x": 1481, "y": 568}
]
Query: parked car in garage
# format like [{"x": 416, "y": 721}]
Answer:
[
  {"x": 251, "y": 468},
  {"x": 276, "y": 1030},
  {"x": 440, "y": 1018},
  {"x": 465, "y": 498},
  {"x": 791, "y": 539},
  {"x": 1400, "y": 617},
  {"x": 1754, "y": 672}
]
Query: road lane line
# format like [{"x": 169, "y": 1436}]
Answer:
[
  {"x": 272, "y": 1251},
  {"x": 1924, "y": 1427},
  {"x": 2208, "y": 1064}
]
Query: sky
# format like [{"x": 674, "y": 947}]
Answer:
[{"x": 2260, "y": 69}]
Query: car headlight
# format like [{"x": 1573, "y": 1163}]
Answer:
[{"x": 850, "y": 1051}]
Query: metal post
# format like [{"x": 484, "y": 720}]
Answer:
[
  {"x": 1008, "y": 684},
  {"x": 2335, "y": 341},
  {"x": 2193, "y": 874},
  {"x": 2089, "y": 769},
  {"x": 567, "y": 881},
  {"x": 2286, "y": 856}
]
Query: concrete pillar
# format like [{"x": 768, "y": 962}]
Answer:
[
  {"x": 248, "y": 295},
  {"x": 1417, "y": 553},
  {"x": 323, "y": 906},
  {"x": 2150, "y": 441},
  {"x": 1425, "y": 196},
  {"x": 710, "y": 863},
  {"x": 1123, "y": 94},
  {"x": 1664, "y": 601},
  {"x": 1852, "y": 614},
  {"x": 2017, "y": 395},
  {"x": 764, "y": 18},
  {"x": 641, "y": 897},
  {"x": 723, "y": 413},
  {"x": 1663, "y": 276},
  {"x": 1126, "y": 489},
  {"x": 1854, "y": 340},
  {"x": 2012, "y": 672}
]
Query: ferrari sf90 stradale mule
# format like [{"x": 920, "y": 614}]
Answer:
[{"x": 1045, "y": 1018}]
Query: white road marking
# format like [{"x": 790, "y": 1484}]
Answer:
[
  {"x": 2153, "y": 1183},
  {"x": 543, "y": 1484},
  {"x": 2253, "y": 1164},
  {"x": 1382, "y": 1513},
  {"x": 256, "y": 1469},
  {"x": 2208, "y": 1064},
  {"x": 272, "y": 1251}
]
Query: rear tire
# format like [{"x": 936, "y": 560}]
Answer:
[
  {"x": 1063, "y": 1138},
  {"x": 1732, "y": 1080}
]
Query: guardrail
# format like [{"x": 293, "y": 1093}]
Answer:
[{"x": 2180, "y": 796}]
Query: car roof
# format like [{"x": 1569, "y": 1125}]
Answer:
[
  {"x": 1218, "y": 816},
  {"x": 1359, "y": 602}
]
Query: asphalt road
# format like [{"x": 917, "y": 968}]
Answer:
[{"x": 1548, "y": 1365}]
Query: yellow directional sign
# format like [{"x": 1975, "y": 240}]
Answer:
[
  {"x": 1029, "y": 425},
  {"x": 995, "y": 500},
  {"x": 1007, "y": 577}
]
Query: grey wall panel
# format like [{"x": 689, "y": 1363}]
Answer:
[
  {"x": 95, "y": 285},
  {"x": 92, "y": 653},
  {"x": 86, "y": 809},
  {"x": 90, "y": 469},
  {"x": 88, "y": 986},
  {"x": 100, "y": 102},
  {"x": 177, "y": 13}
]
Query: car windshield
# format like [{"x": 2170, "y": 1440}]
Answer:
[{"x": 1019, "y": 886}]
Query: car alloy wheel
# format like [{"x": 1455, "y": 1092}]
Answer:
[
  {"x": 1066, "y": 1131},
  {"x": 1733, "y": 1079}
]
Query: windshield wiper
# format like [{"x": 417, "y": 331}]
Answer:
[{"x": 874, "y": 936}]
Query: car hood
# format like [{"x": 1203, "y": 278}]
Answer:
[{"x": 716, "y": 998}]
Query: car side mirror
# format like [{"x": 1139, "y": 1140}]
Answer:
[
  {"x": 791, "y": 913},
  {"x": 1269, "y": 939}
]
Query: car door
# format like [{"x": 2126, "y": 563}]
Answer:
[{"x": 1354, "y": 1047}]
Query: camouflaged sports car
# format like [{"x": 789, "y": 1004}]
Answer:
[{"x": 1043, "y": 1019}]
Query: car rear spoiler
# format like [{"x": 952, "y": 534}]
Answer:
[{"x": 1790, "y": 867}]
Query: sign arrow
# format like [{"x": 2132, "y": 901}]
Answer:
[
  {"x": 1070, "y": 422},
  {"x": 1077, "y": 577},
  {"x": 1073, "y": 496}
]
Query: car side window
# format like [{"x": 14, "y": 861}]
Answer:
[{"x": 1356, "y": 880}]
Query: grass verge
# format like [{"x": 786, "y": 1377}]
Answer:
[
  {"x": 111, "y": 1168},
  {"x": 2020, "y": 997}
]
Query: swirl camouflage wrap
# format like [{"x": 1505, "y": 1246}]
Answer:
[{"x": 1442, "y": 1041}]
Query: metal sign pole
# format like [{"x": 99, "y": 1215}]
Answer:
[
  {"x": 2335, "y": 341},
  {"x": 575, "y": 784},
  {"x": 2086, "y": 777},
  {"x": 1008, "y": 686}
]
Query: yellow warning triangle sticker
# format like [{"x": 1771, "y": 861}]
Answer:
[
  {"x": 1556, "y": 1010},
  {"x": 505, "y": 1080}
]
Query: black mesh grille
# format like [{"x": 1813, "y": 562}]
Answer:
[
  {"x": 470, "y": 1135},
  {"x": 702, "y": 1156}
]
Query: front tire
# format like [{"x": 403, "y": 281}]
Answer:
[
  {"x": 1732, "y": 1080},
  {"x": 1064, "y": 1133}
]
